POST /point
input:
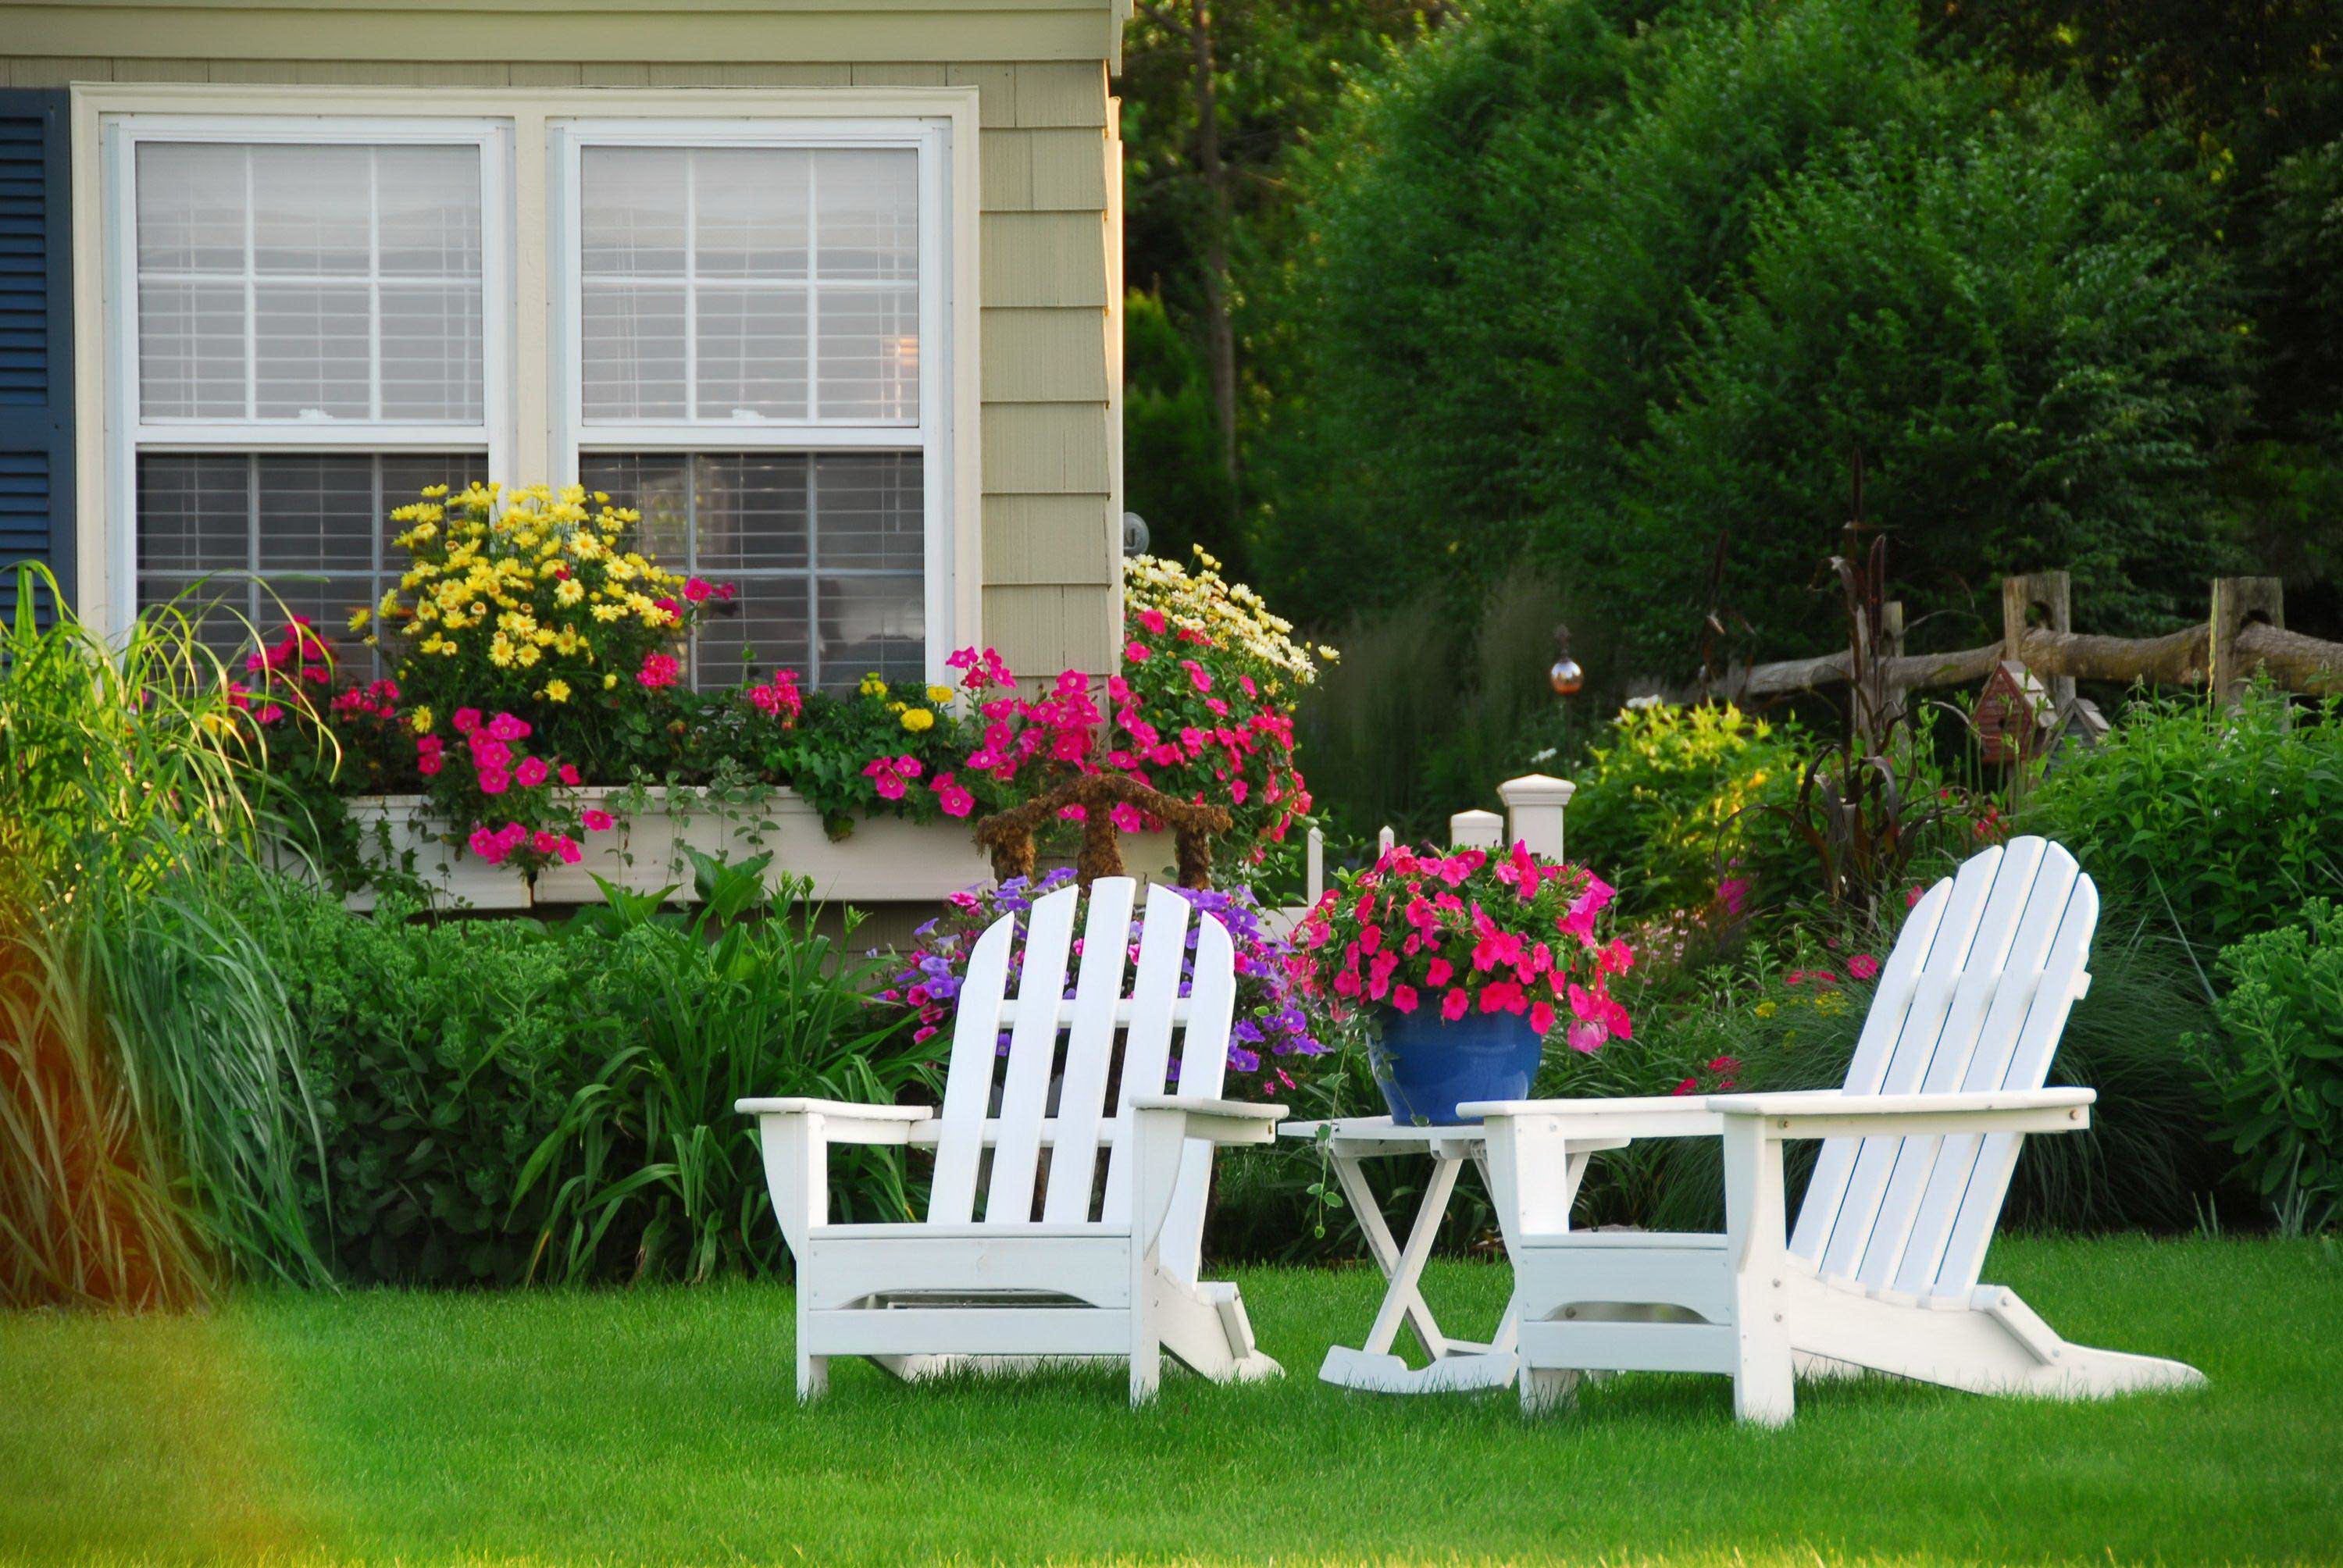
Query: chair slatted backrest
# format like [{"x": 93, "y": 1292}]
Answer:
[
  {"x": 1974, "y": 997},
  {"x": 1071, "y": 1042}
]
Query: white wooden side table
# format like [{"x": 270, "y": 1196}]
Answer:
[{"x": 1455, "y": 1364}]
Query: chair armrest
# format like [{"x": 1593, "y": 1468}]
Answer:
[
  {"x": 1835, "y": 1115},
  {"x": 844, "y": 1122},
  {"x": 1219, "y": 1120},
  {"x": 1628, "y": 1116}
]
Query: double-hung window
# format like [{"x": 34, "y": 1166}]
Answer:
[
  {"x": 310, "y": 330},
  {"x": 740, "y": 326},
  {"x": 748, "y": 313}
]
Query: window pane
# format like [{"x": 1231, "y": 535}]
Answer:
[
  {"x": 826, "y": 553},
  {"x": 431, "y": 351},
  {"x": 752, "y": 352},
  {"x": 310, "y": 345},
  {"x": 631, "y": 212},
  {"x": 195, "y": 514},
  {"x": 659, "y": 487},
  {"x": 262, "y": 291},
  {"x": 766, "y": 632},
  {"x": 872, "y": 515},
  {"x": 317, "y": 514},
  {"x": 310, "y": 210},
  {"x": 314, "y": 529},
  {"x": 191, "y": 205},
  {"x": 868, "y": 212},
  {"x": 750, "y": 211},
  {"x": 870, "y": 353},
  {"x": 634, "y": 353},
  {"x": 716, "y": 278},
  {"x": 429, "y": 203},
  {"x": 191, "y": 363},
  {"x": 871, "y": 624},
  {"x": 753, "y": 513}
]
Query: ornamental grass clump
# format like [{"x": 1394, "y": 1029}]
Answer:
[
  {"x": 1472, "y": 932},
  {"x": 152, "y": 1118}
]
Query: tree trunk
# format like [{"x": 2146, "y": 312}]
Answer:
[{"x": 1219, "y": 330}]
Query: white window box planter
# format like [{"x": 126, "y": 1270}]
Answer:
[{"x": 886, "y": 859}]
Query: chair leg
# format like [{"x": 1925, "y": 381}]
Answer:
[
  {"x": 1764, "y": 1387},
  {"x": 813, "y": 1377},
  {"x": 1146, "y": 1368},
  {"x": 1545, "y": 1389}
]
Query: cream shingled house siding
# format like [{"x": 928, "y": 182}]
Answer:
[{"x": 1049, "y": 358}]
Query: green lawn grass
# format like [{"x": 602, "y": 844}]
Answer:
[{"x": 659, "y": 1426}]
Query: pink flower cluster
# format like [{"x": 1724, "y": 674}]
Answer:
[
  {"x": 494, "y": 764},
  {"x": 892, "y": 778},
  {"x": 1178, "y": 737},
  {"x": 891, "y": 775},
  {"x": 1494, "y": 933},
  {"x": 658, "y": 669},
  {"x": 778, "y": 698},
  {"x": 296, "y": 660},
  {"x": 497, "y": 845},
  {"x": 376, "y": 699}
]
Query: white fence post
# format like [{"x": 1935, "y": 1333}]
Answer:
[
  {"x": 1533, "y": 809},
  {"x": 1314, "y": 865},
  {"x": 1475, "y": 830}
]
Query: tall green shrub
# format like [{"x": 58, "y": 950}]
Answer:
[{"x": 1602, "y": 284}]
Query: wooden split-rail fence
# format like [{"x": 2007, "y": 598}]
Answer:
[{"x": 2243, "y": 635}]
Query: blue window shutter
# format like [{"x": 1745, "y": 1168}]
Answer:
[{"x": 36, "y": 414}]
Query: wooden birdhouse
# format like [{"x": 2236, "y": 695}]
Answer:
[
  {"x": 2078, "y": 725},
  {"x": 2014, "y": 714}
]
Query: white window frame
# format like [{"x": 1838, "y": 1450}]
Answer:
[
  {"x": 929, "y": 435},
  {"x": 133, "y": 434},
  {"x": 528, "y": 411}
]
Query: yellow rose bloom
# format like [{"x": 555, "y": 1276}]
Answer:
[{"x": 919, "y": 721}]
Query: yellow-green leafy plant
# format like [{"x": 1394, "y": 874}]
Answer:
[{"x": 1665, "y": 803}]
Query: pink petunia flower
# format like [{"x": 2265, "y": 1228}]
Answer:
[{"x": 597, "y": 820}]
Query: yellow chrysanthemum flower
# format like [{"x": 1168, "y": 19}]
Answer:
[
  {"x": 557, "y": 691},
  {"x": 422, "y": 720},
  {"x": 940, "y": 695},
  {"x": 919, "y": 721}
]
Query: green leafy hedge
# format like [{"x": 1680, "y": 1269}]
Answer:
[
  {"x": 2281, "y": 1077},
  {"x": 2221, "y": 821},
  {"x": 502, "y": 1101}
]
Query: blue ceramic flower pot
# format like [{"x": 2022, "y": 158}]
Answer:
[{"x": 1427, "y": 1066}]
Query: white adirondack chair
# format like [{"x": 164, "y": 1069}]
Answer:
[
  {"x": 1881, "y": 1273},
  {"x": 1104, "y": 1264}
]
